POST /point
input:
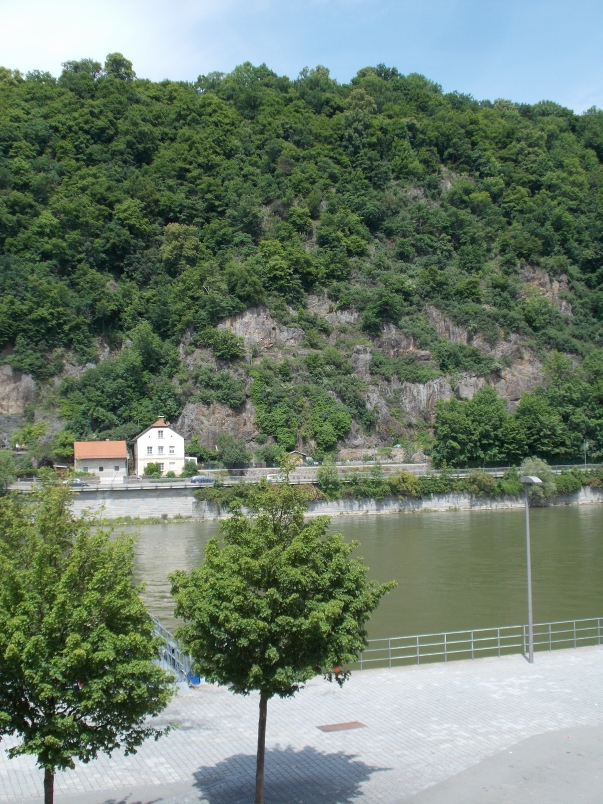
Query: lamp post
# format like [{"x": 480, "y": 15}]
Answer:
[
  {"x": 529, "y": 480},
  {"x": 585, "y": 445}
]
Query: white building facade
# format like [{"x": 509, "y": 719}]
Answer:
[
  {"x": 161, "y": 444},
  {"x": 108, "y": 460}
]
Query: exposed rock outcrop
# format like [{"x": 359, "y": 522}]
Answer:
[
  {"x": 553, "y": 289},
  {"x": 208, "y": 421},
  {"x": 258, "y": 328},
  {"x": 16, "y": 391}
]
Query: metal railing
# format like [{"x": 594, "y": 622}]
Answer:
[
  {"x": 171, "y": 656},
  {"x": 422, "y": 648}
]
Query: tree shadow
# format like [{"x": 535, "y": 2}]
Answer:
[{"x": 292, "y": 777}]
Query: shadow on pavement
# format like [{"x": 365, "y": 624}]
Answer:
[{"x": 292, "y": 777}]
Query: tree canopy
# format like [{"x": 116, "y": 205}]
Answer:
[
  {"x": 279, "y": 603},
  {"x": 133, "y": 211},
  {"x": 77, "y": 671}
]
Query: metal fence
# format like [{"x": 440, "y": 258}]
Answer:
[
  {"x": 423, "y": 648},
  {"x": 171, "y": 656}
]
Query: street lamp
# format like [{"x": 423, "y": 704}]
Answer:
[{"x": 529, "y": 480}]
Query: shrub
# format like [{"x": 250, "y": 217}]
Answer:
[
  {"x": 540, "y": 492},
  {"x": 404, "y": 484},
  {"x": 509, "y": 483},
  {"x": 233, "y": 453},
  {"x": 569, "y": 482},
  {"x": 152, "y": 470},
  {"x": 224, "y": 343},
  {"x": 171, "y": 473},
  {"x": 328, "y": 480},
  {"x": 481, "y": 484},
  {"x": 189, "y": 469}
]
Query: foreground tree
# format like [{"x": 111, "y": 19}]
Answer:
[
  {"x": 278, "y": 604},
  {"x": 76, "y": 646}
]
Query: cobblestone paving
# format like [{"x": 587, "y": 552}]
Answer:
[{"x": 423, "y": 725}]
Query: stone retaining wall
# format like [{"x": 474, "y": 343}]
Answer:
[{"x": 146, "y": 503}]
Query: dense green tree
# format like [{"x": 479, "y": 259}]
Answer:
[
  {"x": 77, "y": 657},
  {"x": 279, "y": 603}
]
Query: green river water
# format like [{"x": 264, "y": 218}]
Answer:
[{"x": 455, "y": 570}]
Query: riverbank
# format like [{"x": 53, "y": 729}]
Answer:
[{"x": 131, "y": 506}]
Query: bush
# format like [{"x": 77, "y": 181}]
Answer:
[
  {"x": 171, "y": 473},
  {"x": 224, "y": 343},
  {"x": 269, "y": 454},
  {"x": 540, "y": 492},
  {"x": 481, "y": 484},
  {"x": 404, "y": 484},
  {"x": 328, "y": 480},
  {"x": 509, "y": 484},
  {"x": 233, "y": 453},
  {"x": 569, "y": 482},
  {"x": 152, "y": 470},
  {"x": 189, "y": 469}
]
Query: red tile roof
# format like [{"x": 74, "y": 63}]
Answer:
[{"x": 90, "y": 450}]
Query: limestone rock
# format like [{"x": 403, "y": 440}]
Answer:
[
  {"x": 361, "y": 362},
  {"x": 257, "y": 327},
  {"x": 16, "y": 391},
  {"x": 208, "y": 421}
]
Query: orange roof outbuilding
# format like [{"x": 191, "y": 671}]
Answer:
[{"x": 91, "y": 450}]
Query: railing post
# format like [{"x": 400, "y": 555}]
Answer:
[
  {"x": 418, "y": 652},
  {"x": 574, "y": 633},
  {"x": 498, "y": 635},
  {"x": 550, "y": 638},
  {"x": 599, "y": 631},
  {"x": 445, "y": 653},
  {"x": 389, "y": 651},
  {"x": 472, "y": 654}
]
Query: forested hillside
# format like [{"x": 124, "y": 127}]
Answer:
[{"x": 408, "y": 259}]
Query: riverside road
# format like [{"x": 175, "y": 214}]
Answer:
[{"x": 473, "y": 732}]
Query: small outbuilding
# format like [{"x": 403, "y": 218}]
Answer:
[{"x": 108, "y": 460}]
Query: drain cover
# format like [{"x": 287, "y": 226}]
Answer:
[{"x": 353, "y": 724}]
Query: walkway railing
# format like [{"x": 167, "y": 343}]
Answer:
[
  {"x": 480, "y": 642},
  {"x": 172, "y": 657}
]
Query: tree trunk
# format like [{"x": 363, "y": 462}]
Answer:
[
  {"x": 48, "y": 786},
  {"x": 259, "y": 774}
]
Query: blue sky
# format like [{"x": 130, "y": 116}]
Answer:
[{"x": 524, "y": 50}]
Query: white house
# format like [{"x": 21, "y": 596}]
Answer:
[
  {"x": 108, "y": 460},
  {"x": 161, "y": 444}
]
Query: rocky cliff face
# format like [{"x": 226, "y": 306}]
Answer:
[
  {"x": 208, "y": 421},
  {"x": 397, "y": 406},
  {"x": 16, "y": 391}
]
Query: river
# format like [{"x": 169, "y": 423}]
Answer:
[{"x": 455, "y": 570}]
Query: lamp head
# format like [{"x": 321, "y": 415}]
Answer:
[{"x": 530, "y": 480}]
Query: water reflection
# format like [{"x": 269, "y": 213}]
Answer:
[{"x": 455, "y": 570}]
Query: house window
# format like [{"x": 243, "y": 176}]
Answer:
[
  {"x": 161, "y": 465},
  {"x": 116, "y": 468},
  {"x": 149, "y": 450},
  {"x": 84, "y": 468},
  {"x": 171, "y": 449},
  {"x": 160, "y": 450},
  {"x": 101, "y": 468},
  {"x": 172, "y": 463},
  {"x": 159, "y": 433}
]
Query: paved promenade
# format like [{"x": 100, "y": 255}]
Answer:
[{"x": 422, "y": 727}]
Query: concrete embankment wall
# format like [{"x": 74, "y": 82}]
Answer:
[{"x": 146, "y": 503}]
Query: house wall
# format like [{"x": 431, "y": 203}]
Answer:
[
  {"x": 108, "y": 469},
  {"x": 166, "y": 447}
]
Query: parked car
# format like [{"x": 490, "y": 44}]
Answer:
[
  {"x": 202, "y": 480},
  {"x": 276, "y": 478},
  {"x": 75, "y": 483}
]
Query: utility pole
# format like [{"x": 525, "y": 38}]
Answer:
[{"x": 529, "y": 480}]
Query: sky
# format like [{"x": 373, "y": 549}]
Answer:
[{"x": 522, "y": 50}]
